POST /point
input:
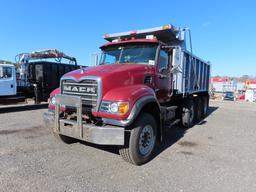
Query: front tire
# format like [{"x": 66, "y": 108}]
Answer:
[{"x": 140, "y": 147}]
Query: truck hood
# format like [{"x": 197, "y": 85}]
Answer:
[{"x": 115, "y": 75}]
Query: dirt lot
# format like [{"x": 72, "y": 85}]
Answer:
[{"x": 217, "y": 155}]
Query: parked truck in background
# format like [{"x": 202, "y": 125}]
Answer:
[
  {"x": 146, "y": 82},
  {"x": 8, "y": 83},
  {"x": 35, "y": 75}
]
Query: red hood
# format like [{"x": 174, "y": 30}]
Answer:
[
  {"x": 105, "y": 70},
  {"x": 115, "y": 75}
]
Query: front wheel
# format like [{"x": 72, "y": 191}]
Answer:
[{"x": 139, "y": 148}]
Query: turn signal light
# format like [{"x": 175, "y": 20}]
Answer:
[{"x": 123, "y": 108}]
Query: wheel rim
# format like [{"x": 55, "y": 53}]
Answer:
[{"x": 146, "y": 140}]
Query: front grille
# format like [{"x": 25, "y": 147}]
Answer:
[{"x": 88, "y": 89}]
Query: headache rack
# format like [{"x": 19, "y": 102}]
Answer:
[{"x": 168, "y": 34}]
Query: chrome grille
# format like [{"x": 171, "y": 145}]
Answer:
[{"x": 88, "y": 89}]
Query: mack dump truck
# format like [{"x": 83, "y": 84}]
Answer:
[{"x": 146, "y": 81}]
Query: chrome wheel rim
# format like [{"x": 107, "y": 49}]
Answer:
[{"x": 146, "y": 140}]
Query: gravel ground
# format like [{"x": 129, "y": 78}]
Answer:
[{"x": 216, "y": 155}]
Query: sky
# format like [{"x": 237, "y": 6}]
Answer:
[{"x": 223, "y": 32}]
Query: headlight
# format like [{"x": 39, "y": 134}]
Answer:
[
  {"x": 113, "y": 107},
  {"x": 53, "y": 100},
  {"x": 120, "y": 108}
]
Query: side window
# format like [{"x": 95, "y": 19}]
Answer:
[
  {"x": 5, "y": 72},
  {"x": 163, "y": 61}
]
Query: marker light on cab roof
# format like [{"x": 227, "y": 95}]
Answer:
[
  {"x": 167, "y": 27},
  {"x": 151, "y": 37},
  {"x": 106, "y": 36}
]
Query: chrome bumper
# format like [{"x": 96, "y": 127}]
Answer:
[{"x": 102, "y": 135}]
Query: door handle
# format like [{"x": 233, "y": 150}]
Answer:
[{"x": 11, "y": 85}]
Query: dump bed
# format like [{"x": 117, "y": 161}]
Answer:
[{"x": 192, "y": 74}]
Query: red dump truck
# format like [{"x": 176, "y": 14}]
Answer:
[{"x": 146, "y": 81}]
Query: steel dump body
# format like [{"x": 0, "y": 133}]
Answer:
[{"x": 193, "y": 75}]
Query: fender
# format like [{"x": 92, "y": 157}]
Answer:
[
  {"x": 130, "y": 93},
  {"x": 135, "y": 111},
  {"x": 53, "y": 93}
]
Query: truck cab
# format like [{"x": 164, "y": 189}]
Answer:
[
  {"x": 145, "y": 82},
  {"x": 8, "y": 86},
  {"x": 150, "y": 56}
]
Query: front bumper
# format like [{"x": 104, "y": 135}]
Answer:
[{"x": 102, "y": 135}]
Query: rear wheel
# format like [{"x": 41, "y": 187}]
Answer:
[
  {"x": 198, "y": 109},
  {"x": 205, "y": 106},
  {"x": 188, "y": 114},
  {"x": 139, "y": 148}
]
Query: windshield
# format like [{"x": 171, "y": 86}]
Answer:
[
  {"x": 140, "y": 54},
  {"x": 5, "y": 72}
]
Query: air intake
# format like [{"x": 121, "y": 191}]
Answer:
[{"x": 148, "y": 79}]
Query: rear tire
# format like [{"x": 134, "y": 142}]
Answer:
[
  {"x": 198, "y": 109},
  {"x": 205, "y": 106},
  {"x": 140, "y": 147},
  {"x": 188, "y": 114}
]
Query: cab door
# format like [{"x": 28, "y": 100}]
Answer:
[
  {"x": 163, "y": 79},
  {"x": 8, "y": 85}
]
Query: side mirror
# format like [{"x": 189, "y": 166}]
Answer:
[
  {"x": 163, "y": 71},
  {"x": 94, "y": 59}
]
